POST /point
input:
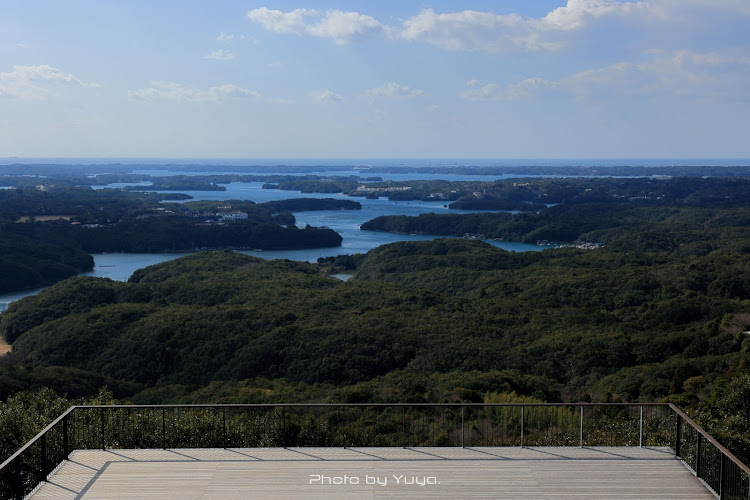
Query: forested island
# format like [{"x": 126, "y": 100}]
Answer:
[
  {"x": 178, "y": 183},
  {"x": 630, "y": 214},
  {"x": 48, "y": 235}
]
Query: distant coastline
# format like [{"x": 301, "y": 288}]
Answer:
[{"x": 387, "y": 162}]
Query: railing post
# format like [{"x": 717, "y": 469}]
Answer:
[
  {"x": 403, "y": 427},
  {"x": 224, "y": 426},
  {"x": 283, "y": 426},
  {"x": 678, "y": 436},
  {"x": 65, "y": 436},
  {"x": 640, "y": 429},
  {"x": 101, "y": 419},
  {"x": 44, "y": 458},
  {"x": 580, "y": 441},
  {"x": 698, "y": 454},
  {"x": 163, "y": 429},
  {"x": 19, "y": 479},
  {"x": 462, "y": 426},
  {"x": 522, "y": 414},
  {"x": 722, "y": 477}
]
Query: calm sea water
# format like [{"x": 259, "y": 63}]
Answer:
[
  {"x": 119, "y": 266},
  {"x": 343, "y": 173}
]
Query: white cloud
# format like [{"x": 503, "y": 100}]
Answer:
[
  {"x": 477, "y": 91},
  {"x": 282, "y": 22},
  {"x": 576, "y": 13},
  {"x": 33, "y": 82},
  {"x": 674, "y": 9},
  {"x": 490, "y": 32},
  {"x": 709, "y": 59},
  {"x": 471, "y": 30},
  {"x": 275, "y": 64},
  {"x": 392, "y": 90},
  {"x": 464, "y": 30},
  {"x": 219, "y": 55},
  {"x": 342, "y": 27},
  {"x": 225, "y": 37},
  {"x": 696, "y": 75},
  {"x": 683, "y": 73},
  {"x": 326, "y": 96},
  {"x": 178, "y": 92}
]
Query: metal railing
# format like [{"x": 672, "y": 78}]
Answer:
[{"x": 361, "y": 425}]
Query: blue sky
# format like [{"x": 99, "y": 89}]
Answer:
[{"x": 328, "y": 79}]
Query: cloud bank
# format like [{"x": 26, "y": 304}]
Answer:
[
  {"x": 391, "y": 90},
  {"x": 177, "y": 92},
  {"x": 697, "y": 75},
  {"x": 470, "y": 30},
  {"x": 341, "y": 27},
  {"x": 327, "y": 96},
  {"x": 34, "y": 82},
  {"x": 220, "y": 55}
]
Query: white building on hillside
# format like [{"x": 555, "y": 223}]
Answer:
[{"x": 234, "y": 216}]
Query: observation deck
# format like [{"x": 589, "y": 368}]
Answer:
[
  {"x": 325, "y": 473},
  {"x": 375, "y": 451}
]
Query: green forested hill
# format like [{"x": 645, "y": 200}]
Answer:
[
  {"x": 29, "y": 263},
  {"x": 642, "y": 226},
  {"x": 567, "y": 324},
  {"x": 39, "y": 252}
]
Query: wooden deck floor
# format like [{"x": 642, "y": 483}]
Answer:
[{"x": 454, "y": 473}]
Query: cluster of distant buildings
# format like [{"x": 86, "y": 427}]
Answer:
[
  {"x": 366, "y": 189},
  {"x": 225, "y": 213},
  {"x": 584, "y": 245},
  {"x": 234, "y": 216}
]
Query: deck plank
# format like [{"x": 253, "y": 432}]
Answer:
[{"x": 541, "y": 473}]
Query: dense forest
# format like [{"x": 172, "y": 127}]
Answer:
[
  {"x": 26, "y": 263},
  {"x": 444, "y": 320},
  {"x": 47, "y": 236},
  {"x": 626, "y": 226},
  {"x": 661, "y": 312}
]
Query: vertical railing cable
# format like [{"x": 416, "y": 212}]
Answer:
[
  {"x": 580, "y": 435},
  {"x": 640, "y": 428},
  {"x": 18, "y": 479},
  {"x": 224, "y": 426},
  {"x": 65, "y": 437},
  {"x": 462, "y": 426},
  {"x": 699, "y": 455},
  {"x": 403, "y": 427},
  {"x": 163, "y": 429},
  {"x": 101, "y": 414}
]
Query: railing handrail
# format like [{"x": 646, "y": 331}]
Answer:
[
  {"x": 37, "y": 437},
  {"x": 354, "y": 405},
  {"x": 710, "y": 439}
]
